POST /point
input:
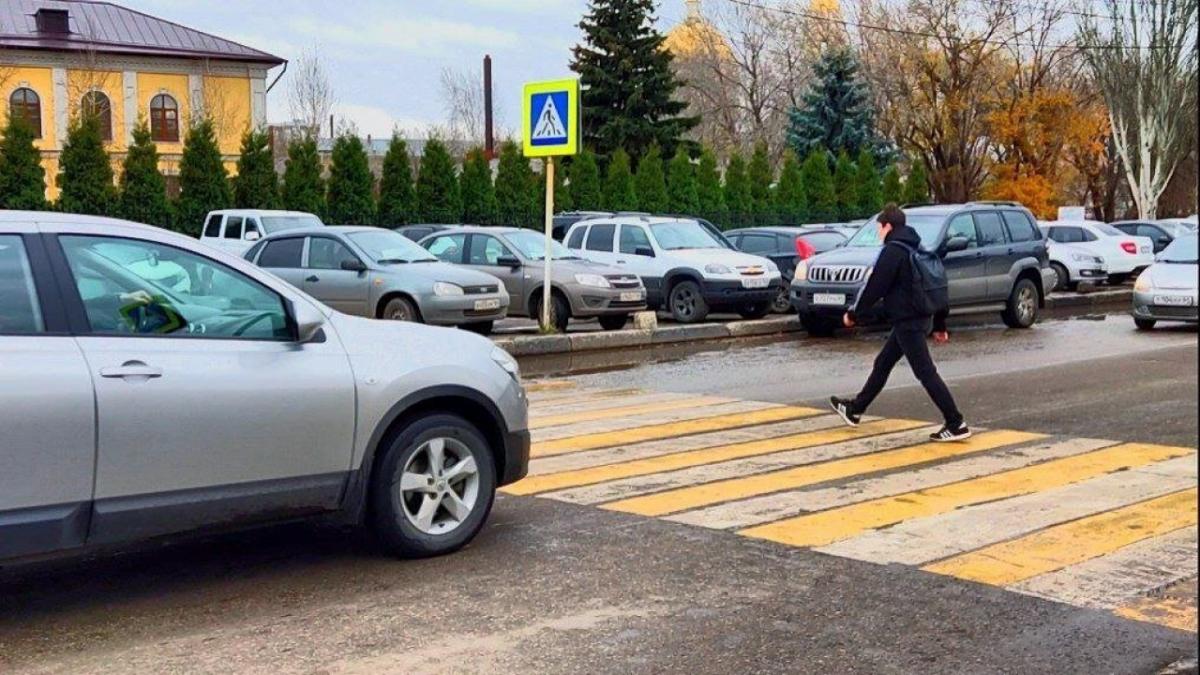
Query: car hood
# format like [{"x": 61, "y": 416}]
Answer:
[
  {"x": 1172, "y": 275},
  {"x": 858, "y": 255},
  {"x": 360, "y": 335},
  {"x": 699, "y": 257},
  {"x": 437, "y": 271},
  {"x": 580, "y": 266}
]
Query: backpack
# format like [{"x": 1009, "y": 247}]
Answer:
[{"x": 930, "y": 292}]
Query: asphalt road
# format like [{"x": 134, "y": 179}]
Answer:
[{"x": 555, "y": 587}]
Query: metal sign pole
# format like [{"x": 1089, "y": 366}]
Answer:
[{"x": 549, "y": 230}]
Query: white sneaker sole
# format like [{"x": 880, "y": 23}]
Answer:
[
  {"x": 952, "y": 439},
  {"x": 842, "y": 414}
]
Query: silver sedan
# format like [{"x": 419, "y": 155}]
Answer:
[
  {"x": 380, "y": 274},
  {"x": 1167, "y": 290}
]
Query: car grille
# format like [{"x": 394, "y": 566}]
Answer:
[
  {"x": 480, "y": 290},
  {"x": 1173, "y": 312},
  {"x": 837, "y": 274},
  {"x": 751, "y": 270},
  {"x": 624, "y": 281}
]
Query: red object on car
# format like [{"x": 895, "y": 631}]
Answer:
[
  {"x": 804, "y": 249},
  {"x": 1129, "y": 247}
]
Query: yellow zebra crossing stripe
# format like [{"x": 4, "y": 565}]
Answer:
[
  {"x": 541, "y": 422},
  {"x": 1174, "y": 606},
  {"x": 673, "y": 501},
  {"x": 1070, "y": 543},
  {"x": 826, "y": 527}
]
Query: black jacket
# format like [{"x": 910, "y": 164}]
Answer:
[{"x": 892, "y": 282}]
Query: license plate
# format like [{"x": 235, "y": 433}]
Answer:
[
  {"x": 1173, "y": 300},
  {"x": 631, "y": 296},
  {"x": 756, "y": 283},
  {"x": 829, "y": 299},
  {"x": 481, "y": 305}
]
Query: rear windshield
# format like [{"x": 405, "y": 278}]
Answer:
[
  {"x": 929, "y": 227},
  {"x": 1108, "y": 229},
  {"x": 275, "y": 224}
]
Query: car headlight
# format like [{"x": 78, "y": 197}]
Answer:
[
  {"x": 594, "y": 280},
  {"x": 717, "y": 268},
  {"x": 506, "y": 362},
  {"x": 801, "y": 271},
  {"x": 446, "y": 288},
  {"x": 1144, "y": 283},
  {"x": 772, "y": 267}
]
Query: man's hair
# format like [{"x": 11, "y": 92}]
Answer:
[{"x": 892, "y": 215}]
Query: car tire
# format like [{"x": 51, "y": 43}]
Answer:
[
  {"x": 686, "y": 302},
  {"x": 755, "y": 310},
  {"x": 400, "y": 309},
  {"x": 1021, "y": 309},
  {"x": 1062, "y": 278},
  {"x": 614, "y": 321},
  {"x": 401, "y": 515},
  {"x": 817, "y": 326},
  {"x": 1117, "y": 279},
  {"x": 1145, "y": 324},
  {"x": 782, "y": 304},
  {"x": 480, "y": 327},
  {"x": 559, "y": 308}
]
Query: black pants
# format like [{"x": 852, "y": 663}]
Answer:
[{"x": 909, "y": 342}]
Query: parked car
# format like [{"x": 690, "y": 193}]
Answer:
[
  {"x": 132, "y": 410},
  {"x": 564, "y": 220},
  {"x": 1073, "y": 265},
  {"x": 1167, "y": 290},
  {"x": 684, "y": 265},
  {"x": 786, "y": 247},
  {"x": 379, "y": 274},
  {"x": 1179, "y": 226},
  {"x": 995, "y": 259},
  {"x": 1125, "y": 255},
  {"x": 579, "y": 288},
  {"x": 419, "y": 232},
  {"x": 1160, "y": 235},
  {"x": 236, "y": 230}
]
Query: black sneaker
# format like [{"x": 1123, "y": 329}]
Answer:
[
  {"x": 844, "y": 408},
  {"x": 948, "y": 435}
]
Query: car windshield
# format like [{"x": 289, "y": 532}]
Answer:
[
  {"x": 929, "y": 227},
  {"x": 1108, "y": 230},
  {"x": 1181, "y": 251},
  {"x": 387, "y": 247},
  {"x": 683, "y": 234},
  {"x": 533, "y": 246},
  {"x": 280, "y": 223}
]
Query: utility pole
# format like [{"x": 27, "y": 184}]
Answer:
[{"x": 489, "y": 141}]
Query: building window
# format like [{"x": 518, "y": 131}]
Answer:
[
  {"x": 24, "y": 104},
  {"x": 96, "y": 104},
  {"x": 164, "y": 119}
]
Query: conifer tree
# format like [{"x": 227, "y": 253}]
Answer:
[
  {"x": 683, "y": 194},
  {"x": 836, "y": 112},
  {"x": 350, "y": 197},
  {"x": 789, "y": 192},
  {"x": 709, "y": 195},
  {"x": 869, "y": 191},
  {"x": 892, "y": 191},
  {"x": 143, "y": 193},
  {"x": 397, "y": 196},
  {"x": 586, "y": 191},
  {"x": 85, "y": 177},
  {"x": 203, "y": 180},
  {"x": 256, "y": 185},
  {"x": 738, "y": 202},
  {"x": 478, "y": 194},
  {"x": 438, "y": 197},
  {"x": 619, "y": 193},
  {"x": 303, "y": 187},
  {"x": 516, "y": 191},
  {"x": 916, "y": 188},
  {"x": 845, "y": 188},
  {"x": 651, "y": 183},
  {"x": 818, "y": 188},
  {"x": 759, "y": 174},
  {"x": 22, "y": 178}
]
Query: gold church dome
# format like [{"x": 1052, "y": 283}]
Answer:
[{"x": 696, "y": 37}]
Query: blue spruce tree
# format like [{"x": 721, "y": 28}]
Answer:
[{"x": 835, "y": 114}]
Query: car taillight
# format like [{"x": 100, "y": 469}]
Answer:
[
  {"x": 804, "y": 249},
  {"x": 1129, "y": 247}
]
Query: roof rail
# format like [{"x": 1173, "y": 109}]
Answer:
[
  {"x": 995, "y": 202},
  {"x": 916, "y": 204}
]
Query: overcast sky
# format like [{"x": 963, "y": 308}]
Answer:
[{"x": 385, "y": 56}]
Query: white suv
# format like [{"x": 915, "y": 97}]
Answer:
[
  {"x": 682, "y": 264},
  {"x": 236, "y": 230}
]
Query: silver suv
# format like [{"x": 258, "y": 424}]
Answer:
[{"x": 150, "y": 385}]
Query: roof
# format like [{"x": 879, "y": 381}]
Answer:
[
  {"x": 262, "y": 212},
  {"x": 112, "y": 29},
  {"x": 7, "y": 216}
]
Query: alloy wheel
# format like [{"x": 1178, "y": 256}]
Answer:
[{"x": 438, "y": 486}]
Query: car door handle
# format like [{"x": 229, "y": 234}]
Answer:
[
  {"x": 312, "y": 277},
  {"x": 135, "y": 370}
]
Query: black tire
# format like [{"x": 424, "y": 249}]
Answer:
[
  {"x": 400, "y": 309},
  {"x": 480, "y": 327},
  {"x": 559, "y": 309},
  {"x": 782, "y": 304},
  {"x": 1145, "y": 324},
  {"x": 817, "y": 326},
  {"x": 1062, "y": 277},
  {"x": 1117, "y": 279},
  {"x": 686, "y": 302},
  {"x": 755, "y": 310},
  {"x": 614, "y": 321},
  {"x": 388, "y": 518},
  {"x": 1021, "y": 308}
]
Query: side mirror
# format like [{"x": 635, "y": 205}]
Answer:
[
  {"x": 351, "y": 265},
  {"x": 955, "y": 244},
  {"x": 508, "y": 261},
  {"x": 252, "y": 235},
  {"x": 644, "y": 251},
  {"x": 309, "y": 321}
]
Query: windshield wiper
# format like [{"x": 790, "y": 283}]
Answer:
[
  {"x": 392, "y": 261},
  {"x": 424, "y": 260}
]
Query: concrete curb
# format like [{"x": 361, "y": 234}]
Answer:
[
  {"x": 1093, "y": 299},
  {"x": 536, "y": 345}
]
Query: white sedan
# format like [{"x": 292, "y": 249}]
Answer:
[
  {"x": 1074, "y": 264},
  {"x": 1125, "y": 254},
  {"x": 1167, "y": 290}
]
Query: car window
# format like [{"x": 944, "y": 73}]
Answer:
[
  {"x": 327, "y": 254},
  {"x": 1020, "y": 228},
  {"x": 991, "y": 229},
  {"x": 282, "y": 253},
  {"x": 1067, "y": 235},
  {"x": 387, "y": 247},
  {"x": 233, "y": 227},
  {"x": 1107, "y": 230},
  {"x": 1086, "y": 235},
  {"x": 486, "y": 250},
  {"x": 275, "y": 224},
  {"x": 20, "y": 312},
  {"x": 448, "y": 248},
  {"x": 823, "y": 241},
  {"x": 576, "y": 239},
  {"x": 600, "y": 237},
  {"x": 928, "y": 226},
  {"x": 213, "y": 227},
  {"x": 634, "y": 237},
  {"x": 1127, "y": 228},
  {"x": 758, "y": 243},
  {"x": 251, "y": 226},
  {"x": 677, "y": 235},
  {"x": 532, "y": 245},
  {"x": 1149, "y": 231},
  {"x": 134, "y": 287},
  {"x": 963, "y": 225}
]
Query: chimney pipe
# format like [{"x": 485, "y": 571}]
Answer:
[{"x": 489, "y": 141}]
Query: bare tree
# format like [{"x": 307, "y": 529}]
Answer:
[
  {"x": 462, "y": 95},
  {"x": 1144, "y": 61},
  {"x": 310, "y": 93}
]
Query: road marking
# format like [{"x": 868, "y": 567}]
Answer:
[
  {"x": 1072, "y": 543},
  {"x": 664, "y": 503},
  {"x": 826, "y": 527},
  {"x": 539, "y": 410},
  {"x": 1123, "y": 576},
  {"x": 658, "y": 431},
  {"x": 648, "y": 419},
  {"x": 767, "y": 508},
  {"x": 920, "y": 541},
  {"x": 599, "y": 474},
  {"x": 549, "y": 385},
  {"x": 572, "y": 395},
  {"x": 1174, "y": 606},
  {"x": 562, "y": 419},
  {"x": 707, "y": 473}
]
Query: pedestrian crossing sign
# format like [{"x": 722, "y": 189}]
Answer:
[{"x": 551, "y": 118}]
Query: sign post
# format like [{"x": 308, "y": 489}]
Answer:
[{"x": 550, "y": 128}]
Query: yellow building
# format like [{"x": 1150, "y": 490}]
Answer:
[{"x": 59, "y": 57}]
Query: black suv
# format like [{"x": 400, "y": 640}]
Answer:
[{"x": 995, "y": 256}]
